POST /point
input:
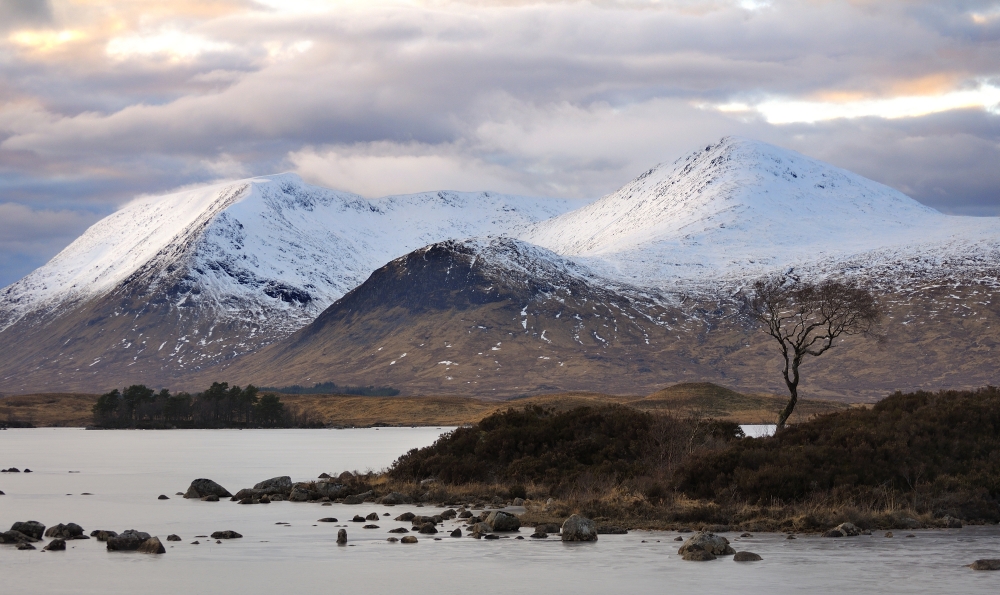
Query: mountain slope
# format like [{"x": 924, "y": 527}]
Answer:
[
  {"x": 187, "y": 280},
  {"x": 741, "y": 208}
]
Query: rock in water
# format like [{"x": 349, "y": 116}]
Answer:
[
  {"x": 163, "y": 497},
  {"x": 709, "y": 542},
  {"x": 56, "y": 545},
  {"x": 394, "y": 498},
  {"x": 103, "y": 535},
  {"x": 25, "y": 546},
  {"x": 503, "y": 521},
  {"x": 275, "y": 485},
  {"x": 30, "y": 528},
  {"x": 210, "y": 498},
  {"x": 226, "y": 535},
  {"x": 328, "y": 519},
  {"x": 373, "y": 516},
  {"x": 173, "y": 537},
  {"x": 428, "y": 529},
  {"x": 342, "y": 537},
  {"x": 408, "y": 539},
  {"x": 152, "y": 546},
  {"x": 698, "y": 556},
  {"x": 578, "y": 528},
  {"x": 456, "y": 533},
  {"x": 834, "y": 533},
  {"x": 539, "y": 535},
  {"x": 746, "y": 557},
  {"x": 986, "y": 564},
  {"x": 15, "y": 537},
  {"x": 128, "y": 541},
  {"x": 206, "y": 487},
  {"x": 408, "y": 516},
  {"x": 61, "y": 531}
]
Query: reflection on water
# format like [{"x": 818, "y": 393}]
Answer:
[
  {"x": 758, "y": 430},
  {"x": 126, "y": 471}
]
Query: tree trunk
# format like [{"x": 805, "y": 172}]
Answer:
[{"x": 793, "y": 389}]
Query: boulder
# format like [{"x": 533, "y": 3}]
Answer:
[
  {"x": 56, "y": 545},
  {"x": 407, "y": 516},
  {"x": 372, "y": 516},
  {"x": 709, "y": 542},
  {"x": 359, "y": 498},
  {"x": 986, "y": 564},
  {"x": 393, "y": 498},
  {"x": 358, "y": 519},
  {"x": 746, "y": 557},
  {"x": 849, "y": 529},
  {"x": 16, "y": 537},
  {"x": 342, "y": 537},
  {"x": 465, "y": 514},
  {"x": 408, "y": 539},
  {"x": 539, "y": 535},
  {"x": 31, "y": 528},
  {"x": 328, "y": 519},
  {"x": 103, "y": 535},
  {"x": 834, "y": 533},
  {"x": 399, "y": 530},
  {"x": 578, "y": 528},
  {"x": 226, "y": 535},
  {"x": 61, "y": 531},
  {"x": 491, "y": 536},
  {"x": 950, "y": 522},
  {"x": 370, "y": 527},
  {"x": 518, "y": 502},
  {"x": 275, "y": 485},
  {"x": 163, "y": 497},
  {"x": 698, "y": 556},
  {"x": 346, "y": 477},
  {"x": 503, "y": 521},
  {"x": 152, "y": 546},
  {"x": 329, "y": 489},
  {"x": 209, "y": 498},
  {"x": 456, "y": 533},
  {"x": 427, "y": 529},
  {"x": 173, "y": 537},
  {"x": 392, "y": 540},
  {"x": 449, "y": 514},
  {"x": 128, "y": 541},
  {"x": 202, "y": 487},
  {"x": 25, "y": 546},
  {"x": 299, "y": 494}
]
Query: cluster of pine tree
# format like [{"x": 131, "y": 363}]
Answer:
[{"x": 221, "y": 406}]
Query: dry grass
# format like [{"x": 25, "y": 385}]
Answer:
[{"x": 700, "y": 400}]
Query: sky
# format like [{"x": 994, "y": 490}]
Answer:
[{"x": 105, "y": 100}]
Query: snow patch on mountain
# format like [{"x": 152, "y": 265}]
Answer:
[
  {"x": 741, "y": 208},
  {"x": 262, "y": 246}
]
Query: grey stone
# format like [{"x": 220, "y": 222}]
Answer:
[
  {"x": 698, "y": 556},
  {"x": 25, "y": 546},
  {"x": 67, "y": 531},
  {"x": 173, "y": 537},
  {"x": 163, "y": 497},
  {"x": 128, "y": 541},
  {"x": 103, "y": 535},
  {"x": 226, "y": 535},
  {"x": 834, "y": 533},
  {"x": 202, "y": 487},
  {"x": 849, "y": 529},
  {"x": 152, "y": 546},
  {"x": 372, "y": 516},
  {"x": 56, "y": 545},
  {"x": 427, "y": 529},
  {"x": 578, "y": 528},
  {"x": 503, "y": 521},
  {"x": 746, "y": 557},
  {"x": 406, "y": 516},
  {"x": 32, "y": 528},
  {"x": 709, "y": 542},
  {"x": 985, "y": 564},
  {"x": 408, "y": 539},
  {"x": 342, "y": 537}
]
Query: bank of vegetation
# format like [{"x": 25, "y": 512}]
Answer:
[
  {"x": 917, "y": 459},
  {"x": 220, "y": 406},
  {"x": 331, "y": 388}
]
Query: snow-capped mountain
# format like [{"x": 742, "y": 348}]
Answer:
[
  {"x": 272, "y": 245},
  {"x": 635, "y": 288},
  {"x": 741, "y": 208}
]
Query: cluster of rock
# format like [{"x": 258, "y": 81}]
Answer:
[
  {"x": 14, "y": 470},
  {"x": 23, "y": 534},
  {"x": 846, "y": 530},
  {"x": 206, "y": 489},
  {"x": 704, "y": 546}
]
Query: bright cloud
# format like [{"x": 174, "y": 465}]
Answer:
[{"x": 174, "y": 45}]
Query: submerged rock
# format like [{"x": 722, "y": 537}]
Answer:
[
  {"x": 428, "y": 529},
  {"x": 67, "y": 531},
  {"x": 25, "y": 546},
  {"x": 152, "y": 546},
  {"x": 408, "y": 539},
  {"x": 399, "y": 530},
  {"x": 103, "y": 535},
  {"x": 985, "y": 564},
  {"x": 456, "y": 533},
  {"x": 342, "y": 537},
  {"x": 210, "y": 498},
  {"x": 578, "y": 528},
  {"x": 16, "y": 537},
  {"x": 698, "y": 556},
  {"x": 226, "y": 535},
  {"x": 408, "y": 516},
  {"x": 709, "y": 542},
  {"x": 173, "y": 537},
  {"x": 539, "y": 535},
  {"x": 503, "y": 521},
  {"x": 746, "y": 557},
  {"x": 163, "y": 497},
  {"x": 200, "y": 488},
  {"x": 372, "y": 516},
  {"x": 128, "y": 541},
  {"x": 394, "y": 498},
  {"x": 56, "y": 545},
  {"x": 328, "y": 519}
]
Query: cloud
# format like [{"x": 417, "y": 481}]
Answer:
[
  {"x": 28, "y": 237},
  {"x": 100, "y": 102}
]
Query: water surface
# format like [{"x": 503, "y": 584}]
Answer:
[{"x": 126, "y": 471}]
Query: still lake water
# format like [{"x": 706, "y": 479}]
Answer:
[{"x": 126, "y": 471}]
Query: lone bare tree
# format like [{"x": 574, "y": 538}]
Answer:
[{"x": 807, "y": 318}]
